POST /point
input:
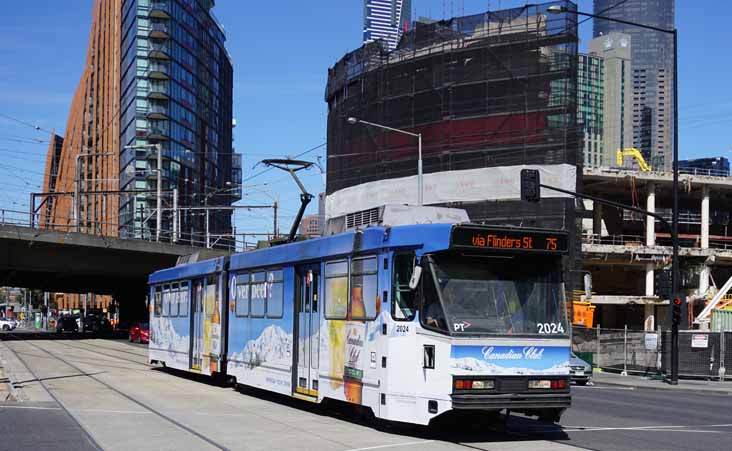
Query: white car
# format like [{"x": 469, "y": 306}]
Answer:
[{"x": 8, "y": 324}]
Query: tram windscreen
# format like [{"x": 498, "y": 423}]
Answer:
[{"x": 512, "y": 296}]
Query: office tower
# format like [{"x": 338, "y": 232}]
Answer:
[
  {"x": 605, "y": 99},
  {"x": 386, "y": 20},
  {"x": 157, "y": 78},
  {"x": 652, "y": 58}
]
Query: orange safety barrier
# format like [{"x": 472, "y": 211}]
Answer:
[{"x": 584, "y": 314}]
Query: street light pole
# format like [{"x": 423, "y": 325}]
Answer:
[
  {"x": 674, "y": 379},
  {"x": 420, "y": 188}
]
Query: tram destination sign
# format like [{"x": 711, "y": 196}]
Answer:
[{"x": 501, "y": 239}]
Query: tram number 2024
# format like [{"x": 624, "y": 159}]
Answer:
[{"x": 550, "y": 328}]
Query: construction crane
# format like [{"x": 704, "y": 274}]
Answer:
[{"x": 635, "y": 153}]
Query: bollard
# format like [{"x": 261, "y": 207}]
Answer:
[
  {"x": 598, "y": 345},
  {"x": 625, "y": 351}
]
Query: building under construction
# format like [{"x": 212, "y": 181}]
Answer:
[{"x": 489, "y": 94}]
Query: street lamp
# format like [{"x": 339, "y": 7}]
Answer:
[
  {"x": 558, "y": 9},
  {"x": 420, "y": 189},
  {"x": 159, "y": 213}
]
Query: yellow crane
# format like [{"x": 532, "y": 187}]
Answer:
[{"x": 635, "y": 153}]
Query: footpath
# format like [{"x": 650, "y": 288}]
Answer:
[{"x": 693, "y": 385}]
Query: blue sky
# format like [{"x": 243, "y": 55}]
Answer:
[{"x": 281, "y": 55}]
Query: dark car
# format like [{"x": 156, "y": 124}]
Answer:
[
  {"x": 580, "y": 371},
  {"x": 96, "y": 324},
  {"x": 67, "y": 324},
  {"x": 140, "y": 332}
]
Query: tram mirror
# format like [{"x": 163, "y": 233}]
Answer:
[
  {"x": 416, "y": 274},
  {"x": 588, "y": 285}
]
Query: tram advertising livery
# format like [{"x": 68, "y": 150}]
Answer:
[{"x": 409, "y": 321}]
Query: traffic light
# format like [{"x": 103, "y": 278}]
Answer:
[
  {"x": 530, "y": 185},
  {"x": 676, "y": 311}
]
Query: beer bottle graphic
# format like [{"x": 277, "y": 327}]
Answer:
[
  {"x": 215, "y": 338},
  {"x": 355, "y": 335}
]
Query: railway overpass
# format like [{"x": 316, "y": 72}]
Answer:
[{"x": 72, "y": 262}]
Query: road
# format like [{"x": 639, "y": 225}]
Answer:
[{"x": 103, "y": 394}]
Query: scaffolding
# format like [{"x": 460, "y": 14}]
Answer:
[{"x": 492, "y": 89}]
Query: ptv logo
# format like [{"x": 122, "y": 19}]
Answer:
[{"x": 460, "y": 327}]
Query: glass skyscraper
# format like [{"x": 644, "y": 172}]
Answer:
[
  {"x": 386, "y": 20},
  {"x": 176, "y": 91},
  {"x": 652, "y": 60},
  {"x": 157, "y": 75}
]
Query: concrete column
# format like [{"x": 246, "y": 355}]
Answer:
[
  {"x": 704, "y": 279},
  {"x": 649, "y": 280},
  {"x": 596, "y": 219},
  {"x": 650, "y": 322},
  {"x": 651, "y": 222},
  {"x": 705, "y": 218}
]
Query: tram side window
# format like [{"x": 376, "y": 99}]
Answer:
[
  {"x": 166, "y": 300},
  {"x": 257, "y": 294},
  {"x": 275, "y": 294},
  {"x": 403, "y": 299},
  {"x": 158, "y": 301},
  {"x": 242, "y": 295},
  {"x": 364, "y": 288},
  {"x": 174, "y": 299},
  {"x": 336, "y": 290},
  {"x": 183, "y": 294}
]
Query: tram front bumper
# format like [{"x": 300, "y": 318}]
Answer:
[{"x": 512, "y": 401}]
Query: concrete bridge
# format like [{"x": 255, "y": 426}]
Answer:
[{"x": 73, "y": 262}]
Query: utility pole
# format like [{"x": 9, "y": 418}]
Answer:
[
  {"x": 274, "y": 230},
  {"x": 175, "y": 215},
  {"x": 159, "y": 149}
]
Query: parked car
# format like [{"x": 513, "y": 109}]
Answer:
[
  {"x": 580, "y": 371},
  {"x": 8, "y": 324},
  {"x": 140, "y": 332},
  {"x": 67, "y": 324}
]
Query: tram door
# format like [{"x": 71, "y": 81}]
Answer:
[
  {"x": 197, "y": 318},
  {"x": 308, "y": 331}
]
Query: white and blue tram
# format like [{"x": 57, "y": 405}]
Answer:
[{"x": 409, "y": 321}]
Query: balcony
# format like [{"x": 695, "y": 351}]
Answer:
[
  {"x": 157, "y": 111},
  {"x": 159, "y": 90},
  {"x": 158, "y": 31},
  {"x": 157, "y": 133},
  {"x": 159, "y": 9},
  {"x": 158, "y": 71},
  {"x": 159, "y": 51}
]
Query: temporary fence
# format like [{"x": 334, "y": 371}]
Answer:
[{"x": 702, "y": 354}]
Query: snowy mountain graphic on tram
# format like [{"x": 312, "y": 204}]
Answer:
[{"x": 273, "y": 345}]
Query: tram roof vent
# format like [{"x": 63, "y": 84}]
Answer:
[{"x": 395, "y": 215}]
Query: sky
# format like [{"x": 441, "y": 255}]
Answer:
[{"x": 281, "y": 53}]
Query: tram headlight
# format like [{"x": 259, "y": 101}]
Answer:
[
  {"x": 540, "y": 384},
  {"x": 471, "y": 384}
]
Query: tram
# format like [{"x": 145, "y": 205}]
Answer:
[{"x": 410, "y": 321}]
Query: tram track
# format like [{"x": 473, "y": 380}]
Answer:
[{"x": 108, "y": 386}]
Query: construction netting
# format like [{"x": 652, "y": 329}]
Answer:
[{"x": 492, "y": 89}]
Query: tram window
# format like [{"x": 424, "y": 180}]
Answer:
[
  {"x": 183, "y": 299},
  {"x": 364, "y": 288},
  {"x": 336, "y": 290},
  {"x": 432, "y": 314},
  {"x": 403, "y": 298},
  {"x": 166, "y": 300},
  {"x": 257, "y": 294},
  {"x": 275, "y": 294},
  {"x": 242, "y": 295},
  {"x": 173, "y": 300},
  {"x": 158, "y": 301}
]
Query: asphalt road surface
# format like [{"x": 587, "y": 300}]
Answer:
[{"x": 102, "y": 394}]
